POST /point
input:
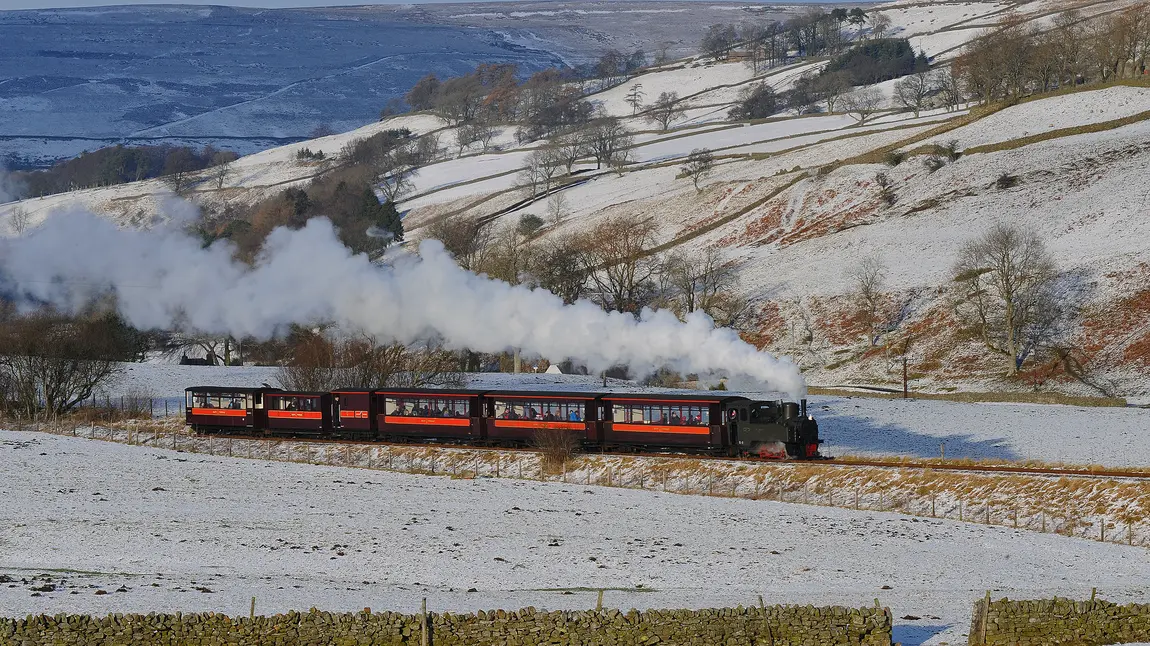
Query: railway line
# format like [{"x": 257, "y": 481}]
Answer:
[{"x": 918, "y": 465}]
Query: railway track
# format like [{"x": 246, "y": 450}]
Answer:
[{"x": 1072, "y": 472}]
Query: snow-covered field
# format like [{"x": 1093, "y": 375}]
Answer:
[
  {"x": 1054, "y": 113},
  {"x": 159, "y": 530}
]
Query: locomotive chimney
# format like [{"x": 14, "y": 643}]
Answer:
[{"x": 803, "y": 403}]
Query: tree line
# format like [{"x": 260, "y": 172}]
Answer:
[
  {"x": 1017, "y": 58},
  {"x": 121, "y": 164}
]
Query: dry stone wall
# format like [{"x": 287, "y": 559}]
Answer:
[
  {"x": 773, "y": 625},
  {"x": 1047, "y": 622}
]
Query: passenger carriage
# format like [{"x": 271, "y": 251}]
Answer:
[
  {"x": 518, "y": 417},
  {"x": 214, "y": 409},
  {"x": 428, "y": 414}
]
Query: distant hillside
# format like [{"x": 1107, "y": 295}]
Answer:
[{"x": 796, "y": 204}]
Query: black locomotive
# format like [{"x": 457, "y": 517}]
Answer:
[{"x": 697, "y": 423}]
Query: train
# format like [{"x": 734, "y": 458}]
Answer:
[{"x": 700, "y": 423}]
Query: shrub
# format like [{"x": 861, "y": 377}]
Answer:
[
  {"x": 308, "y": 154},
  {"x": 529, "y": 223},
  {"x": 893, "y": 158},
  {"x": 933, "y": 162},
  {"x": 951, "y": 150},
  {"x": 556, "y": 448},
  {"x": 1005, "y": 181}
]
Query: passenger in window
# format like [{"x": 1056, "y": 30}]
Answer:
[
  {"x": 234, "y": 404},
  {"x": 675, "y": 419},
  {"x": 549, "y": 416},
  {"x": 574, "y": 416}
]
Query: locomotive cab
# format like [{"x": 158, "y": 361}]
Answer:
[{"x": 772, "y": 429}]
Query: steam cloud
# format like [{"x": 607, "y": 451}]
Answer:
[{"x": 163, "y": 277}]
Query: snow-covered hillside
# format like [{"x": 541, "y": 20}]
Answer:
[{"x": 795, "y": 202}]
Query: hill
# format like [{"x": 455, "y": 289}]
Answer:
[{"x": 796, "y": 202}]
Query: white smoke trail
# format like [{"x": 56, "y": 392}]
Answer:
[{"x": 163, "y": 276}]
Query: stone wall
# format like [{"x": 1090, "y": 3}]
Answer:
[
  {"x": 1058, "y": 621},
  {"x": 774, "y": 626}
]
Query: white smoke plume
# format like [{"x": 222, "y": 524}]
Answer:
[{"x": 163, "y": 276}]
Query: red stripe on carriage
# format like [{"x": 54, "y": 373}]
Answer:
[
  {"x": 428, "y": 421},
  {"x": 526, "y": 423},
  {"x": 294, "y": 414},
  {"x": 220, "y": 412}
]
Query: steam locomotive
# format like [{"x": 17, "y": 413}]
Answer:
[{"x": 694, "y": 423}]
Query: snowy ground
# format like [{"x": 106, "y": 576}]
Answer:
[
  {"x": 850, "y": 425},
  {"x": 159, "y": 530}
]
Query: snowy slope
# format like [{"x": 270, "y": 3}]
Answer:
[{"x": 166, "y": 526}]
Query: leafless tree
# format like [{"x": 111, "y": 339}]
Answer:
[
  {"x": 467, "y": 239},
  {"x": 879, "y": 24},
  {"x": 617, "y": 258},
  {"x": 862, "y": 104},
  {"x": 831, "y": 87},
  {"x": 703, "y": 281},
  {"x": 557, "y": 207},
  {"x": 558, "y": 266},
  {"x": 913, "y": 90},
  {"x": 700, "y": 164},
  {"x": 18, "y": 220},
  {"x": 395, "y": 184},
  {"x": 465, "y": 135},
  {"x": 609, "y": 141},
  {"x": 634, "y": 97},
  {"x": 52, "y": 363},
  {"x": 570, "y": 146},
  {"x": 666, "y": 109},
  {"x": 321, "y": 362},
  {"x": 1005, "y": 280},
  {"x": 221, "y": 172},
  {"x": 540, "y": 169},
  {"x": 868, "y": 278}
]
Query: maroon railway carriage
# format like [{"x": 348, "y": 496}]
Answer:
[
  {"x": 353, "y": 413},
  {"x": 215, "y": 409},
  {"x": 666, "y": 421},
  {"x": 516, "y": 417},
  {"x": 298, "y": 413},
  {"x": 428, "y": 414}
]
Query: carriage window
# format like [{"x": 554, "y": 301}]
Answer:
[
  {"x": 426, "y": 406},
  {"x": 666, "y": 415},
  {"x": 543, "y": 410},
  {"x": 220, "y": 400},
  {"x": 310, "y": 404}
]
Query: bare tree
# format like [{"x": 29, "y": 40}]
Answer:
[
  {"x": 559, "y": 267},
  {"x": 18, "y": 220},
  {"x": 913, "y": 90},
  {"x": 617, "y": 258},
  {"x": 466, "y": 238},
  {"x": 321, "y": 362},
  {"x": 395, "y": 184},
  {"x": 868, "y": 278},
  {"x": 879, "y": 24},
  {"x": 634, "y": 97},
  {"x": 609, "y": 141},
  {"x": 1005, "y": 280},
  {"x": 570, "y": 146},
  {"x": 52, "y": 363},
  {"x": 221, "y": 172},
  {"x": 557, "y": 207},
  {"x": 862, "y": 104},
  {"x": 540, "y": 169},
  {"x": 666, "y": 109},
  {"x": 465, "y": 135},
  {"x": 703, "y": 282},
  {"x": 831, "y": 87},
  {"x": 700, "y": 164}
]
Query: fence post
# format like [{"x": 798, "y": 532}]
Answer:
[
  {"x": 423, "y": 641},
  {"x": 252, "y": 613},
  {"x": 599, "y": 603}
]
